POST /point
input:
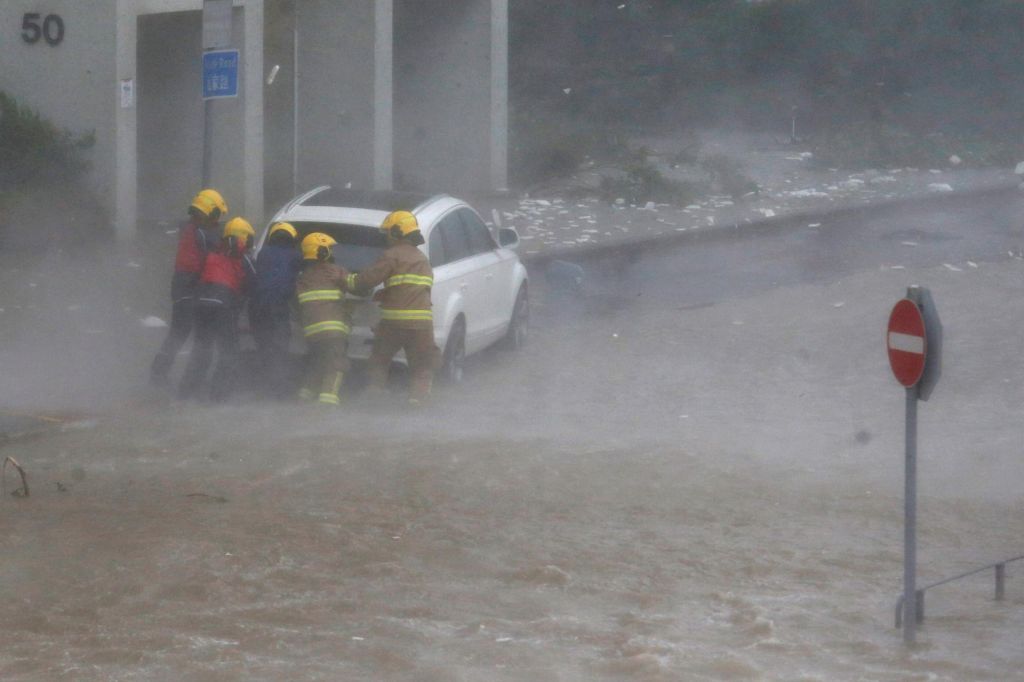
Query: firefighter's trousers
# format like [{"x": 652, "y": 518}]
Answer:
[
  {"x": 325, "y": 367},
  {"x": 271, "y": 327},
  {"x": 216, "y": 325},
  {"x": 182, "y": 321},
  {"x": 420, "y": 351}
]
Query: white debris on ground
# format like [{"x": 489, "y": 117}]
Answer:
[
  {"x": 788, "y": 182},
  {"x": 152, "y": 322}
]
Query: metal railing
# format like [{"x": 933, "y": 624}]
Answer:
[{"x": 1000, "y": 574}]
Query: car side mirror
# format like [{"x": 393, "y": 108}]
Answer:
[{"x": 508, "y": 238}]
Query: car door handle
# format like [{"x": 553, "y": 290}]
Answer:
[
  {"x": 489, "y": 275},
  {"x": 463, "y": 286}
]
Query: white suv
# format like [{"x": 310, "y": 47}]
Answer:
[{"x": 480, "y": 287}]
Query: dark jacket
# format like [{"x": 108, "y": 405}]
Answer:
[{"x": 276, "y": 269}]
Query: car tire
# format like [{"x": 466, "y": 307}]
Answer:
[
  {"x": 519, "y": 325},
  {"x": 453, "y": 365}
]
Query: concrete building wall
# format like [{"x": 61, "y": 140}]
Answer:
[
  {"x": 170, "y": 119},
  {"x": 337, "y": 94},
  {"x": 445, "y": 72},
  {"x": 278, "y": 104},
  {"x": 170, "y": 115},
  {"x": 72, "y": 84},
  {"x": 238, "y": 131},
  {"x": 446, "y": 101}
]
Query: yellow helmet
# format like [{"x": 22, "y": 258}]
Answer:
[
  {"x": 241, "y": 230},
  {"x": 202, "y": 205},
  {"x": 207, "y": 200},
  {"x": 284, "y": 227},
  {"x": 317, "y": 246},
  {"x": 402, "y": 225}
]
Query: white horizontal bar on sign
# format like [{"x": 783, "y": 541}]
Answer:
[{"x": 906, "y": 343}]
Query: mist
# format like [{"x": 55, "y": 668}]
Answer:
[{"x": 693, "y": 470}]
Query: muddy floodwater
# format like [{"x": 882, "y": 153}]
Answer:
[{"x": 646, "y": 492}]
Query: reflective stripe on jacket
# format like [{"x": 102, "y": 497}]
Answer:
[
  {"x": 322, "y": 305},
  {"x": 407, "y": 277}
]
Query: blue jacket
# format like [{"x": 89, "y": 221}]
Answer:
[{"x": 276, "y": 270}]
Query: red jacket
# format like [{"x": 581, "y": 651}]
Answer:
[
  {"x": 193, "y": 245},
  {"x": 192, "y": 248},
  {"x": 226, "y": 278}
]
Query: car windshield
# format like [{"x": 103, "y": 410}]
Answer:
[{"x": 358, "y": 245}]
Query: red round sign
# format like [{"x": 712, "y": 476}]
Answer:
[{"x": 905, "y": 340}]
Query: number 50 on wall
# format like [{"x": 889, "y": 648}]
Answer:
[{"x": 51, "y": 29}]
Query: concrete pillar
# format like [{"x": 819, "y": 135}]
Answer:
[
  {"x": 253, "y": 113},
  {"x": 126, "y": 153},
  {"x": 499, "y": 95},
  {"x": 383, "y": 130},
  {"x": 344, "y": 93},
  {"x": 451, "y": 95}
]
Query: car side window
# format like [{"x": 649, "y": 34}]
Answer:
[
  {"x": 435, "y": 247},
  {"x": 479, "y": 236},
  {"x": 456, "y": 241}
]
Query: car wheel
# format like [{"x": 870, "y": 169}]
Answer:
[
  {"x": 453, "y": 367},
  {"x": 519, "y": 325}
]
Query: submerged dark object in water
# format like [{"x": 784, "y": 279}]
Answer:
[{"x": 564, "y": 277}]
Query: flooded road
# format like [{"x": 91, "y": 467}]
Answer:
[
  {"x": 700, "y": 268},
  {"x": 706, "y": 490}
]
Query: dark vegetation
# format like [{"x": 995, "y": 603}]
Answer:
[
  {"x": 36, "y": 151},
  {"x": 869, "y": 83},
  {"x": 41, "y": 167}
]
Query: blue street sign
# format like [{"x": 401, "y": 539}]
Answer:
[{"x": 220, "y": 74}]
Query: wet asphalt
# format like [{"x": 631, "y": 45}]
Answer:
[{"x": 698, "y": 269}]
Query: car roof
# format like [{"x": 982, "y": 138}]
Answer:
[
  {"x": 363, "y": 207},
  {"x": 378, "y": 200}
]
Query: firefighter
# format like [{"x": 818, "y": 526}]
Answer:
[
  {"x": 325, "y": 319},
  {"x": 223, "y": 284},
  {"x": 406, "y": 319},
  {"x": 270, "y": 306},
  {"x": 194, "y": 241}
]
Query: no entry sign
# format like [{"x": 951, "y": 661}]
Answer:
[
  {"x": 906, "y": 343},
  {"x": 914, "y": 342}
]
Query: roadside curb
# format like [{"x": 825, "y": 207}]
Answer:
[{"x": 631, "y": 248}]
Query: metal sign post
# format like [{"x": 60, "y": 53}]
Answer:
[
  {"x": 216, "y": 34},
  {"x": 910, "y": 520},
  {"x": 914, "y": 343}
]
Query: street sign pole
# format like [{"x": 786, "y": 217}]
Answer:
[
  {"x": 910, "y": 502},
  {"x": 207, "y": 136},
  {"x": 910, "y": 521},
  {"x": 914, "y": 342},
  {"x": 216, "y": 34}
]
